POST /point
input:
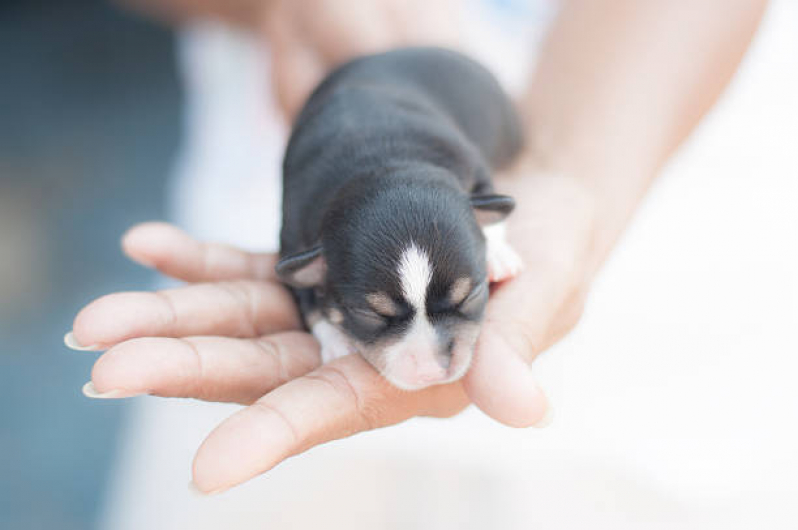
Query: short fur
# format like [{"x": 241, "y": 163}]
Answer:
[{"x": 394, "y": 150}]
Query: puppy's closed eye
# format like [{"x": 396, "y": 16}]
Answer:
[
  {"x": 459, "y": 290},
  {"x": 462, "y": 299},
  {"x": 382, "y": 304},
  {"x": 475, "y": 299},
  {"x": 367, "y": 318}
]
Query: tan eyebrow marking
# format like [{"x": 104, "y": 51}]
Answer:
[
  {"x": 459, "y": 290},
  {"x": 382, "y": 304},
  {"x": 335, "y": 316}
]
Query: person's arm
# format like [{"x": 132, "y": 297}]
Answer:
[{"x": 620, "y": 84}]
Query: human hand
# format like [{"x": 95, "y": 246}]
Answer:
[
  {"x": 310, "y": 37},
  {"x": 307, "y": 38},
  {"x": 233, "y": 334}
]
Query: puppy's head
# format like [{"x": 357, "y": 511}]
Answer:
[{"x": 403, "y": 274}]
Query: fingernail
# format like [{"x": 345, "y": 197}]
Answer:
[
  {"x": 72, "y": 343},
  {"x": 91, "y": 392},
  {"x": 547, "y": 418},
  {"x": 192, "y": 487}
]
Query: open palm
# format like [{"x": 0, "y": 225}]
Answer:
[{"x": 233, "y": 334}]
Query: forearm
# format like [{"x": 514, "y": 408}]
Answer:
[{"x": 621, "y": 83}]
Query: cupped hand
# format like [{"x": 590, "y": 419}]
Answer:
[{"x": 233, "y": 334}]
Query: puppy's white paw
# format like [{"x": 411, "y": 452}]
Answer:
[
  {"x": 334, "y": 343},
  {"x": 503, "y": 262}
]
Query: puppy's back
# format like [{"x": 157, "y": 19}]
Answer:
[
  {"x": 447, "y": 81},
  {"x": 414, "y": 106}
]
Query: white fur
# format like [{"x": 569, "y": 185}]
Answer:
[
  {"x": 334, "y": 343},
  {"x": 415, "y": 273},
  {"x": 503, "y": 262},
  {"x": 420, "y": 342}
]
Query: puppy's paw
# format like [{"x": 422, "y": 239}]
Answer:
[
  {"x": 503, "y": 262},
  {"x": 334, "y": 343}
]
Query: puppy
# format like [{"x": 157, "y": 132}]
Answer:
[{"x": 391, "y": 231}]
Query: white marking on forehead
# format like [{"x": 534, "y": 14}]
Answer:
[{"x": 415, "y": 273}]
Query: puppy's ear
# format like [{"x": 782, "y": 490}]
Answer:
[
  {"x": 303, "y": 269},
  {"x": 491, "y": 209}
]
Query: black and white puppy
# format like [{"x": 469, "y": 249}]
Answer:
[{"x": 391, "y": 230}]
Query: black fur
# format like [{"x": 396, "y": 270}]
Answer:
[{"x": 389, "y": 149}]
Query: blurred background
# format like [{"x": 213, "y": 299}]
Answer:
[
  {"x": 675, "y": 397},
  {"x": 89, "y": 122}
]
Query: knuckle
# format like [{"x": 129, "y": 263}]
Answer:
[
  {"x": 262, "y": 406},
  {"x": 247, "y": 299},
  {"x": 277, "y": 352},
  {"x": 367, "y": 417},
  {"x": 170, "y": 311},
  {"x": 198, "y": 377}
]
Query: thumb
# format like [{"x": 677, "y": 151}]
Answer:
[{"x": 500, "y": 382}]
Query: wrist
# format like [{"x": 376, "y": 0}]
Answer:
[{"x": 597, "y": 197}]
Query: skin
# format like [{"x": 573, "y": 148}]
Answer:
[
  {"x": 620, "y": 84},
  {"x": 309, "y": 37}
]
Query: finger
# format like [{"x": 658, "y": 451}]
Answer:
[
  {"x": 434, "y": 28},
  {"x": 173, "y": 252},
  {"x": 367, "y": 30},
  {"x": 501, "y": 383},
  {"x": 235, "y": 309},
  {"x": 519, "y": 321},
  {"x": 208, "y": 368},
  {"x": 566, "y": 318},
  {"x": 552, "y": 230},
  {"x": 296, "y": 67},
  {"x": 337, "y": 400}
]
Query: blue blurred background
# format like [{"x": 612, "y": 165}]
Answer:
[{"x": 89, "y": 119}]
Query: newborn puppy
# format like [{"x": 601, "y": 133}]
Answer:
[{"x": 391, "y": 230}]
